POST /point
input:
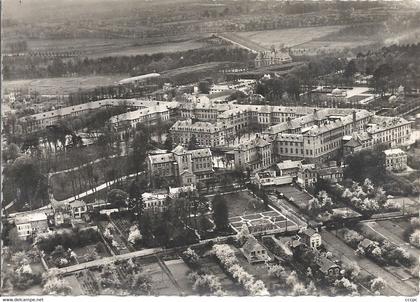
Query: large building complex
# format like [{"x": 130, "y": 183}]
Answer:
[{"x": 180, "y": 167}]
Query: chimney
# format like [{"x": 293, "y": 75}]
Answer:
[{"x": 354, "y": 116}]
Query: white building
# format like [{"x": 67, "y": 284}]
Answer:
[
  {"x": 395, "y": 160},
  {"x": 30, "y": 224}
]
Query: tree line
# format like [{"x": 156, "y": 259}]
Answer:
[{"x": 37, "y": 67}]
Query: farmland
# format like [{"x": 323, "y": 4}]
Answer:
[
  {"x": 287, "y": 37},
  {"x": 62, "y": 86}
]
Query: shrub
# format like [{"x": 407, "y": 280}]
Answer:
[
  {"x": 190, "y": 257},
  {"x": 415, "y": 238}
]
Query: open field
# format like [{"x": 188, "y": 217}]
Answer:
[
  {"x": 335, "y": 44},
  {"x": 96, "y": 48},
  {"x": 62, "y": 86},
  {"x": 242, "y": 203},
  {"x": 180, "y": 271},
  {"x": 287, "y": 37}
]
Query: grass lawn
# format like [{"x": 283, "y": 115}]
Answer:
[
  {"x": 63, "y": 188},
  {"x": 76, "y": 157},
  {"x": 76, "y": 288},
  {"x": 161, "y": 284},
  {"x": 180, "y": 272},
  {"x": 242, "y": 203},
  {"x": 63, "y": 85}
]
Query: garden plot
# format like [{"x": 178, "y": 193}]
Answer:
[
  {"x": 161, "y": 284},
  {"x": 230, "y": 287},
  {"x": 91, "y": 252},
  {"x": 113, "y": 238},
  {"x": 180, "y": 272},
  {"x": 269, "y": 221}
]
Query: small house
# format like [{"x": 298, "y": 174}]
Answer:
[
  {"x": 30, "y": 224},
  {"x": 311, "y": 238},
  {"x": 327, "y": 267},
  {"x": 254, "y": 252}
]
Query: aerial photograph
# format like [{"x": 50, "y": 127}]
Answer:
[{"x": 210, "y": 148}]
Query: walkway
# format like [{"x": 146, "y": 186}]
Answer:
[
  {"x": 82, "y": 166},
  {"x": 91, "y": 191},
  {"x": 108, "y": 260}
]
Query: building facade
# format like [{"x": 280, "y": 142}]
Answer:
[
  {"x": 395, "y": 160},
  {"x": 180, "y": 167}
]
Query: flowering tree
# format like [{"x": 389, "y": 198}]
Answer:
[
  {"x": 292, "y": 280},
  {"x": 276, "y": 270},
  {"x": 415, "y": 238},
  {"x": 377, "y": 285},
  {"x": 352, "y": 270},
  {"x": 345, "y": 286},
  {"x": 243, "y": 234},
  {"x": 135, "y": 236},
  {"x": 190, "y": 256},
  {"x": 54, "y": 285},
  {"x": 206, "y": 284},
  {"x": 228, "y": 260}
]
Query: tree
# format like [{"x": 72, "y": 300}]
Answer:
[
  {"x": 350, "y": 69},
  {"x": 135, "y": 236},
  {"x": 169, "y": 143},
  {"x": 193, "y": 144},
  {"x": 204, "y": 87},
  {"x": 292, "y": 279},
  {"x": 276, "y": 271},
  {"x": 12, "y": 152},
  {"x": 220, "y": 213},
  {"x": 243, "y": 234},
  {"x": 352, "y": 270},
  {"x": 118, "y": 198},
  {"x": 345, "y": 286},
  {"x": 415, "y": 238},
  {"x": 54, "y": 285},
  {"x": 377, "y": 285},
  {"x": 141, "y": 284}
]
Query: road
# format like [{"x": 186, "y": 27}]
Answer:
[
  {"x": 394, "y": 285},
  {"x": 91, "y": 191},
  {"x": 108, "y": 260}
]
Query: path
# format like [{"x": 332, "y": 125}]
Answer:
[
  {"x": 395, "y": 286},
  {"x": 171, "y": 277},
  {"x": 91, "y": 191},
  {"x": 108, "y": 260},
  {"x": 82, "y": 166}
]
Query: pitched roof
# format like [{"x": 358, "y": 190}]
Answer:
[
  {"x": 252, "y": 244},
  {"x": 161, "y": 158},
  {"x": 309, "y": 232}
]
